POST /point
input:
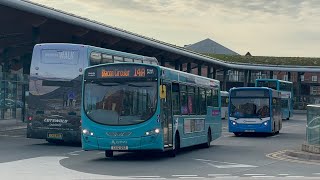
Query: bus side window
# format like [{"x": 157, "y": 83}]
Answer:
[
  {"x": 184, "y": 99},
  {"x": 203, "y": 102},
  {"x": 95, "y": 58},
  {"x": 215, "y": 98},
  {"x": 197, "y": 100},
  {"x": 175, "y": 99},
  {"x": 209, "y": 97},
  {"x": 191, "y": 100}
]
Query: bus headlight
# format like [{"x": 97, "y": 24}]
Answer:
[
  {"x": 234, "y": 123},
  {"x": 87, "y": 132},
  {"x": 265, "y": 123},
  {"x": 155, "y": 131}
]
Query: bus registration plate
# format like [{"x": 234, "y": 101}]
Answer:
[
  {"x": 119, "y": 147},
  {"x": 249, "y": 130},
  {"x": 54, "y": 136}
]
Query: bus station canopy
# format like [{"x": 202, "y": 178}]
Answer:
[{"x": 24, "y": 24}]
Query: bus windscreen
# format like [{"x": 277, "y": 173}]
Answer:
[
  {"x": 123, "y": 102},
  {"x": 250, "y": 103},
  {"x": 270, "y": 84},
  {"x": 127, "y": 94}
]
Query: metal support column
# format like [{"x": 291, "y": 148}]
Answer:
[
  {"x": 245, "y": 83},
  {"x": 298, "y": 95},
  {"x": 5, "y": 71},
  {"x": 209, "y": 73},
  {"x": 26, "y": 61},
  {"x": 36, "y": 35},
  {"x": 162, "y": 61},
  {"x": 224, "y": 85},
  {"x": 189, "y": 68},
  {"x": 177, "y": 65},
  {"x": 199, "y": 69},
  {"x": 271, "y": 75},
  {"x": 289, "y": 76},
  {"x": 181, "y": 67},
  {"x": 249, "y": 77},
  {"x": 214, "y": 72}
]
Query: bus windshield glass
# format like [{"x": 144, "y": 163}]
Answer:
[
  {"x": 250, "y": 104},
  {"x": 270, "y": 84},
  {"x": 116, "y": 102}
]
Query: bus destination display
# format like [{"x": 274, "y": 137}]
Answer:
[{"x": 122, "y": 72}]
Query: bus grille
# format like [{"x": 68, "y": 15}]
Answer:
[{"x": 119, "y": 133}]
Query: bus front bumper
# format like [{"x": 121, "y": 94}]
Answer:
[
  {"x": 152, "y": 142},
  {"x": 64, "y": 135},
  {"x": 249, "y": 127}
]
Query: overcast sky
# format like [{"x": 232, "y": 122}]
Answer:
[{"x": 262, "y": 27}]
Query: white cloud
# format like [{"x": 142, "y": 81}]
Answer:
[{"x": 264, "y": 27}]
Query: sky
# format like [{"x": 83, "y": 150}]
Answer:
[{"x": 262, "y": 27}]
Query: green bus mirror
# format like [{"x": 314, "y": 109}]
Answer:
[{"x": 163, "y": 91}]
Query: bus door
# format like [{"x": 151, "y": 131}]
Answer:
[{"x": 166, "y": 115}]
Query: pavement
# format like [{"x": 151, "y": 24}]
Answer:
[
  {"x": 303, "y": 155},
  {"x": 12, "y": 124},
  {"x": 300, "y": 112}
]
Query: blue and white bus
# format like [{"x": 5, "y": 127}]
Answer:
[
  {"x": 54, "y": 95},
  {"x": 286, "y": 89},
  {"x": 254, "y": 110},
  {"x": 136, "y": 107}
]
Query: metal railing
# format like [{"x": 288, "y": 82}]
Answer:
[{"x": 313, "y": 124}]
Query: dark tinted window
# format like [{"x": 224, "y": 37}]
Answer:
[{"x": 175, "y": 99}]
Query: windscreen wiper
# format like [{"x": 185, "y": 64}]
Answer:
[{"x": 133, "y": 85}]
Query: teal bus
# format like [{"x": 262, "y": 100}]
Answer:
[
  {"x": 137, "y": 107},
  {"x": 254, "y": 110},
  {"x": 286, "y": 89}
]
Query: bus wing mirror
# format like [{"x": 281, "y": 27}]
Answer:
[{"x": 163, "y": 91}]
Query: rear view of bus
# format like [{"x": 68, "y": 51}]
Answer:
[
  {"x": 55, "y": 92},
  {"x": 254, "y": 110}
]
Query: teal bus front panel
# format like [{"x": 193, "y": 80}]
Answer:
[{"x": 133, "y": 137}]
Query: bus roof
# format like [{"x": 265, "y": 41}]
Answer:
[
  {"x": 252, "y": 88},
  {"x": 224, "y": 93},
  {"x": 274, "y": 80},
  {"x": 198, "y": 79},
  {"x": 100, "y": 50}
]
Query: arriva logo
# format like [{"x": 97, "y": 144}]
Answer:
[{"x": 118, "y": 142}]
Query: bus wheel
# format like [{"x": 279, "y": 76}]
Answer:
[
  {"x": 209, "y": 138},
  {"x": 176, "y": 148},
  {"x": 108, "y": 153}
]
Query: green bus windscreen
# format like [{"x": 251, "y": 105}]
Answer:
[{"x": 269, "y": 84}]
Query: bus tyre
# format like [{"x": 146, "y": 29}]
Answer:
[
  {"x": 209, "y": 138},
  {"x": 108, "y": 153},
  {"x": 176, "y": 147}
]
